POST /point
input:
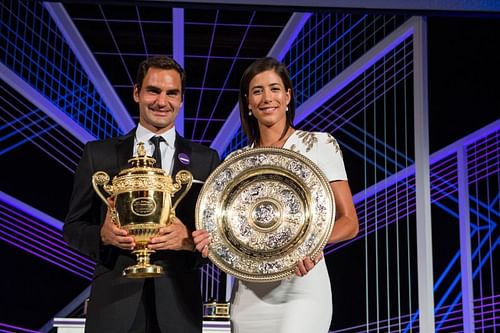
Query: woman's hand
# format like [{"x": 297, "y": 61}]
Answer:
[
  {"x": 306, "y": 264},
  {"x": 201, "y": 240}
]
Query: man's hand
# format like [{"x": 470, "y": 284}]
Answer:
[
  {"x": 175, "y": 237},
  {"x": 112, "y": 235}
]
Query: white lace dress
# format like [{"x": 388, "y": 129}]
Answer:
[{"x": 296, "y": 304}]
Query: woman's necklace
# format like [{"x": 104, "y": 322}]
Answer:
[{"x": 280, "y": 142}]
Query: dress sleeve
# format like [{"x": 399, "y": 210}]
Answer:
[{"x": 328, "y": 157}]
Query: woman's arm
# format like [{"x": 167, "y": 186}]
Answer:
[{"x": 346, "y": 220}]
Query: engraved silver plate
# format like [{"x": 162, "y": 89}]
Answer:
[{"x": 265, "y": 209}]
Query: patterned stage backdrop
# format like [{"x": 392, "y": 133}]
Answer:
[{"x": 424, "y": 257}]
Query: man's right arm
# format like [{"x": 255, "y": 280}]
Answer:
[{"x": 83, "y": 222}]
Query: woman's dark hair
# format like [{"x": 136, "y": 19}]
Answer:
[
  {"x": 162, "y": 62},
  {"x": 249, "y": 123}
]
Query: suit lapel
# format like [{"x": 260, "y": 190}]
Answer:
[
  {"x": 182, "y": 155},
  {"x": 125, "y": 149}
]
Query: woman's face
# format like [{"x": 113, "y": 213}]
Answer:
[{"x": 268, "y": 99}]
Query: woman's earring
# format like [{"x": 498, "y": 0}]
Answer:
[
  {"x": 249, "y": 113},
  {"x": 286, "y": 110}
]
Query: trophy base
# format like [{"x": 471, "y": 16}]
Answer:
[{"x": 143, "y": 271}]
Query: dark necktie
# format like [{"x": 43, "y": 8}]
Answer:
[{"x": 155, "y": 140}]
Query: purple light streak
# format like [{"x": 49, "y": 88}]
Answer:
[
  {"x": 403, "y": 320},
  {"x": 14, "y": 329},
  {"x": 232, "y": 124},
  {"x": 355, "y": 70},
  {"x": 36, "y": 253},
  {"x": 210, "y": 276},
  {"x": 47, "y": 106},
  {"x": 51, "y": 255},
  {"x": 40, "y": 237},
  {"x": 305, "y": 67},
  {"x": 69, "y": 155},
  {"x": 72, "y": 38},
  {"x": 212, "y": 38},
  {"x": 178, "y": 55},
  {"x": 381, "y": 201},
  {"x": 230, "y": 70},
  {"x": 50, "y": 242}
]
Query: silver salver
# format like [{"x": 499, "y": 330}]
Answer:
[{"x": 265, "y": 209}]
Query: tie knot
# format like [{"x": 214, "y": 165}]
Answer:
[{"x": 156, "y": 140}]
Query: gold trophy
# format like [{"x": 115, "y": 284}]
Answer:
[{"x": 142, "y": 205}]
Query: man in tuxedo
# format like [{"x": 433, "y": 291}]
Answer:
[{"x": 167, "y": 304}]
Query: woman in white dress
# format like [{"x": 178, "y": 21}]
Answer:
[{"x": 302, "y": 303}]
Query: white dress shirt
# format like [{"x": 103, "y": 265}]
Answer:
[{"x": 167, "y": 147}]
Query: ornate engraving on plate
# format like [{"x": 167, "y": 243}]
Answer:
[{"x": 265, "y": 208}]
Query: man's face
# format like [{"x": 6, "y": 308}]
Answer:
[{"x": 159, "y": 99}]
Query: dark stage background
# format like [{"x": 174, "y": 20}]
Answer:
[{"x": 39, "y": 155}]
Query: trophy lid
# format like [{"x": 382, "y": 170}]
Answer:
[{"x": 142, "y": 163}]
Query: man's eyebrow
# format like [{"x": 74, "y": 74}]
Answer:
[
  {"x": 173, "y": 90},
  {"x": 155, "y": 88}
]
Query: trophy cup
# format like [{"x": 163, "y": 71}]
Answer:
[{"x": 142, "y": 205}]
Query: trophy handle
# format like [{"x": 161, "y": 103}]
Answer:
[
  {"x": 101, "y": 178},
  {"x": 182, "y": 177}
]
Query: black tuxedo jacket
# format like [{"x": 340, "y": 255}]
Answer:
[{"x": 114, "y": 299}]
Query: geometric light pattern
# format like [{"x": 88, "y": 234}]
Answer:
[
  {"x": 327, "y": 44},
  {"x": 371, "y": 117},
  {"x": 33, "y": 48},
  {"x": 40, "y": 235},
  {"x": 487, "y": 322},
  {"x": 23, "y": 123},
  {"x": 382, "y": 209}
]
